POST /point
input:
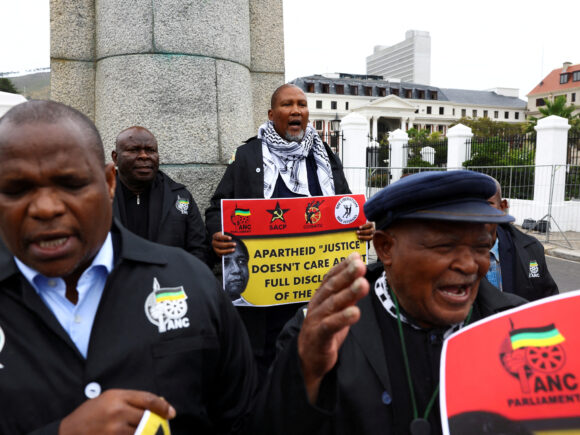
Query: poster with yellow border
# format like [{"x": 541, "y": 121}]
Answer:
[{"x": 285, "y": 246}]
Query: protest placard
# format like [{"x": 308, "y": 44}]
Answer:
[
  {"x": 515, "y": 372},
  {"x": 285, "y": 246}
]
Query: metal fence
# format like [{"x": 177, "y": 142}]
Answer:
[
  {"x": 573, "y": 156},
  {"x": 431, "y": 154},
  {"x": 334, "y": 139},
  {"x": 551, "y": 221},
  {"x": 518, "y": 150}
]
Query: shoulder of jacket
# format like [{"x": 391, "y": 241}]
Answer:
[{"x": 248, "y": 147}]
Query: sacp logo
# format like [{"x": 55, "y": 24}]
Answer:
[
  {"x": 277, "y": 217},
  {"x": 536, "y": 358}
]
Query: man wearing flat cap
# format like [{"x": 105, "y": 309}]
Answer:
[{"x": 364, "y": 357}]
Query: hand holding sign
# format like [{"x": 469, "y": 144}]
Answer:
[
  {"x": 331, "y": 312},
  {"x": 114, "y": 412}
]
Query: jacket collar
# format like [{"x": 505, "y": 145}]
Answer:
[{"x": 367, "y": 334}]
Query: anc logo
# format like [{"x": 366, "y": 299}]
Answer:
[
  {"x": 182, "y": 205},
  {"x": 534, "y": 269},
  {"x": 166, "y": 307},
  {"x": 536, "y": 358},
  {"x": 241, "y": 220},
  {"x": 278, "y": 221},
  {"x": 312, "y": 214}
]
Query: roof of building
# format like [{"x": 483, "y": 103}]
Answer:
[
  {"x": 551, "y": 82},
  {"x": 482, "y": 98},
  {"x": 418, "y": 91}
]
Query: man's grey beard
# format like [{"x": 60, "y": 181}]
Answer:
[{"x": 294, "y": 138}]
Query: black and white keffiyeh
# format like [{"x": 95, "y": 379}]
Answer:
[
  {"x": 288, "y": 159},
  {"x": 382, "y": 291}
]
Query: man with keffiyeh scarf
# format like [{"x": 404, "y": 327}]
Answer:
[{"x": 286, "y": 159}]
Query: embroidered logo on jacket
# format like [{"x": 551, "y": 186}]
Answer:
[
  {"x": 182, "y": 205},
  {"x": 2, "y": 342},
  {"x": 534, "y": 269},
  {"x": 166, "y": 307}
]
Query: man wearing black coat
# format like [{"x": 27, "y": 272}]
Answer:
[
  {"x": 522, "y": 262},
  {"x": 148, "y": 202}
]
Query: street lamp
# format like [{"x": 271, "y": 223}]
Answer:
[{"x": 335, "y": 123}]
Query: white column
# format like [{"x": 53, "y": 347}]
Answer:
[
  {"x": 551, "y": 149},
  {"x": 375, "y": 124},
  {"x": 457, "y": 145},
  {"x": 355, "y": 128},
  {"x": 398, "y": 161}
]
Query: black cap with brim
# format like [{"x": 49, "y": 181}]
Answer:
[{"x": 458, "y": 196}]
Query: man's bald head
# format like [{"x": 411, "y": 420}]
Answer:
[
  {"x": 52, "y": 112},
  {"x": 131, "y": 132}
]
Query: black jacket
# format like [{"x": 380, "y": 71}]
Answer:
[
  {"x": 244, "y": 178},
  {"x": 167, "y": 224},
  {"x": 359, "y": 395},
  {"x": 204, "y": 369},
  {"x": 518, "y": 253}
]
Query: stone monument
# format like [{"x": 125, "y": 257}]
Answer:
[{"x": 198, "y": 74}]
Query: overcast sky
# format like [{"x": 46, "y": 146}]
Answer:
[{"x": 474, "y": 44}]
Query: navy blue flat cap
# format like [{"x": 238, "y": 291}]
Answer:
[{"x": 459, "y": 196}]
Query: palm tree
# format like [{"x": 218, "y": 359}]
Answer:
[{"x": 557, "y": 107}]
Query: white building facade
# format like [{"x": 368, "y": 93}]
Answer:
[
  {"x": 409, "y": 60},
  {"x": 388, "y": 105}
]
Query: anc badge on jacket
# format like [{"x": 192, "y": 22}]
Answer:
[
  {"x": 166, "y": 307},
  {"x": 515, "y": 372}
]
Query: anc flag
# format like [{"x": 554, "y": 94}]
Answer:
[
  {"x": 152, "y": 424},
  {"x": 536, "y": 337},
  {"x": 242, "y": 212},
  {"x": 170, "y": 294}
]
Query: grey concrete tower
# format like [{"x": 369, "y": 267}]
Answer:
[{"x": 197, "y": 73}]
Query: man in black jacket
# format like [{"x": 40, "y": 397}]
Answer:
[
  {"x": 521, "y": 264},
  {"x": 286, "y": 159},
  {"x": 148, "y": 202},
  {"x": 364, "y": 357},
  {"x": 98, "y": 325}
]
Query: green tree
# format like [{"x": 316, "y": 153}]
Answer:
[
  {"x": 557, "y": 107},
  {"x": 485, "y": 127},
  {"x": 6, "y": 85}
]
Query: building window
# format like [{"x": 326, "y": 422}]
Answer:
[
  {"x": 353, "y": 89},
  {"x": 310, "y": 87},
  {"x": 339, "y": 89},
  {"x": 517, "y": 115},
  {"x": 368, "y": 90},
  {"x": 319, "y": 104},
  {"x": 421, "y": 95},
  {"x": 346, "y": 106},
  {"x": 395, "y": 91},
  {"x": 408, "y": 93},
  {"x": 325, "y": 88},
  {"x": 453, "y": 111},
  {"x": 573, "y": 97},
  {"x": 463, "y": 113},
  {"x": 428, "y": 110},
  {"x": 576, "y": 76},
  {"x": 540, "y": 102},
  {"x": 382, "y": 92},
  {"x": 333, "y": 105},
  {"x": 564, "y": 78},
  {"x": 496, "y": 114},
  {"x": 474, "y": 113},
  {"x": 506, "y": 115},
  {"x": 440, "y": 128},
  {"x": 442, "y": 111},
  {"x": 433, "y": 95},
  {"x": 485, "y": 113},
  {"x": 319, "y": 125}
]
